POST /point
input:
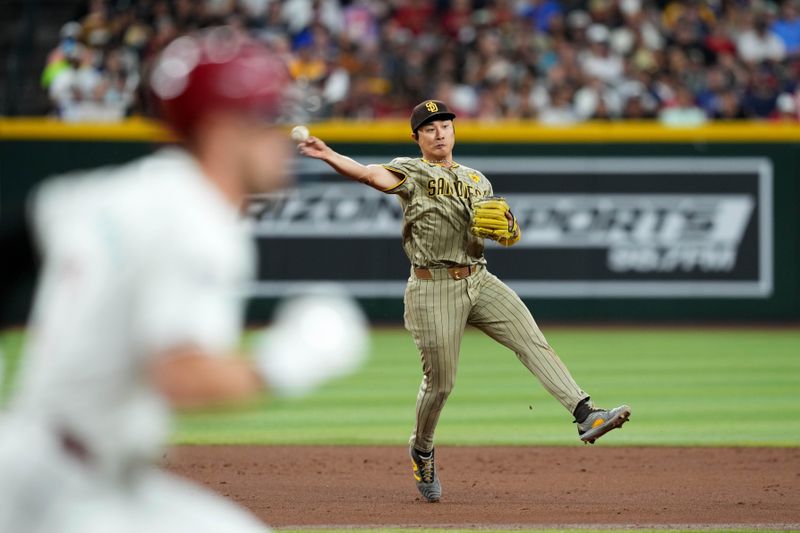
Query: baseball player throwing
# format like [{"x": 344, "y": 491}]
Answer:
[
  {"x": 448, "y": 211},
  {"x": 136, "y": 310}
]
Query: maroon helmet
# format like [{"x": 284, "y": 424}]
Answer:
[{"x": 217, "y": 69}]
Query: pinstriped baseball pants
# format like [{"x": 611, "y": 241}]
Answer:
[{"x": 436, "y": 313}]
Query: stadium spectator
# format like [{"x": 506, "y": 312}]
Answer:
[
  {"x": 361, "y": 24},
  {"x": 457, "y": 18},
  {"x": 59, "y": 58},
  {"x": 696, "y": 13},
  {"x": 308, "y": 63},
  {"x": 599, "y": 61},
  {"x": 758, "y": 43},
  {"x": 787, "y": 27},
  {"x": 638, "y": 104},
  {"x": 786, "y": 109},
  {"x": 413, "y": 15},
  {"x": 558, "y": 110},
  {"x": 717, "y": 81},
  {"x": 541, "y": 13},
  {"x": 729, "y": 106},
  {"x": 761, "y": 95},
  {"x": 300, "y": 14},
  {"x": 681, "y": 109},
  {"x": 717, "y": 41},
  {"x": 79, "y": 90}
]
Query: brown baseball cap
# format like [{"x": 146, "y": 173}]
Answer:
[{"x": 430, "y": 110}]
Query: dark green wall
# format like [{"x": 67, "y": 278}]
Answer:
[{"x": 24, "y": 163}]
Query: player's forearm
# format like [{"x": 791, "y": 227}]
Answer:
[
  {"x": 189, "y": 379},
  {"x": 375, "y": 176},
  {"x": 347, "y": 167}
]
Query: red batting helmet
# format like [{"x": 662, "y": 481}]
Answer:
[{"x": 217, "y": 69}]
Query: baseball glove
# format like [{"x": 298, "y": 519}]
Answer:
[{"x": 492, "y": 219}]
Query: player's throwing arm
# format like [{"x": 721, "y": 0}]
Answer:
[{"x": 375, "y": 176}]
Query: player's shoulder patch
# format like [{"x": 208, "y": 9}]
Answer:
[{"x": 474, "y": 175}]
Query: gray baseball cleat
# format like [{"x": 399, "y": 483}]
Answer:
[
  {"x": 425, "y": 475},
  {"x": 600, "y": 421}
]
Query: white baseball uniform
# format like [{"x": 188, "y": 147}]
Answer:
[{"x": 138, "y": 259}]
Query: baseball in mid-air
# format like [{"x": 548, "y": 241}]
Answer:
[{"x": 299, "y": 134}]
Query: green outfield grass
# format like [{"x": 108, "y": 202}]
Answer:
[{"x": 686, "y": 387}]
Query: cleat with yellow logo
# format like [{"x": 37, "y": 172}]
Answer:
[
  {"x": 600, "y": 421},
  {"x": 424, "y": 471}
]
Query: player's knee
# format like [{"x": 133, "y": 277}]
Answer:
[
  {"x": 439, "y": 397},
  {"x": 441, "y": 389}
]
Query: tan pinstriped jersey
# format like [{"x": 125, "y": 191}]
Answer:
[{"x": 437, "y": 209}]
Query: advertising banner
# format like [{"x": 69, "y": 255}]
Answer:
[{"x": 668, "y": 227}]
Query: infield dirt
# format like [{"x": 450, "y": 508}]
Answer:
[{"x": 341, "y": 486}]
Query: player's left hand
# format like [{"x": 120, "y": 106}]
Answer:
[{"x": 492, "y": 219}]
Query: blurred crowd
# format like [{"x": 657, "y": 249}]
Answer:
[{"x": 678, "y": 61}]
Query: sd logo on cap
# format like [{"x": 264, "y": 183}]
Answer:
[{"x": 429, "y": 110}]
